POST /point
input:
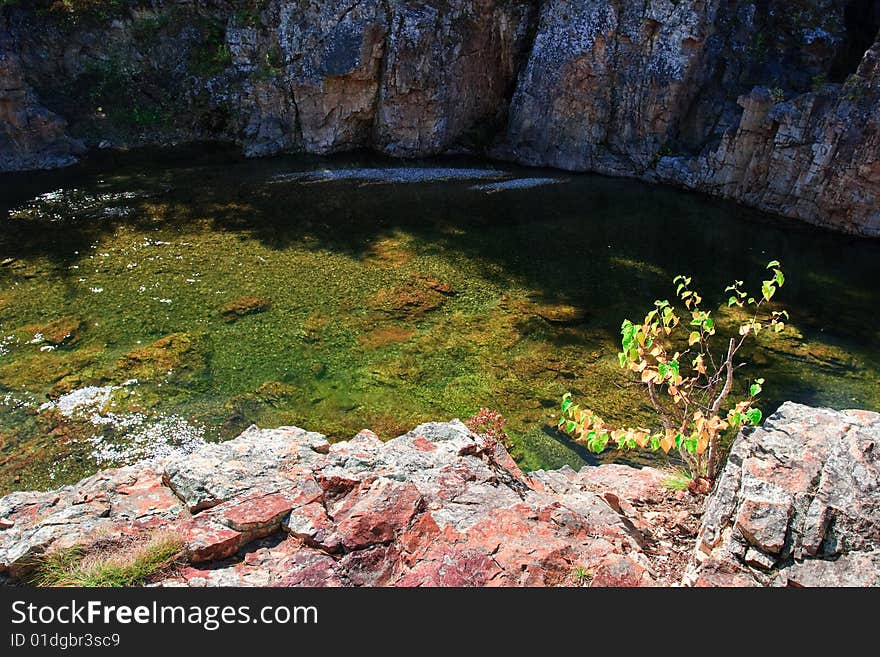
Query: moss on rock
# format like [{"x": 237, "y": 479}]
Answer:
[
  {"x": 177, "y": 358},
  {"x": 242, "y": 306}
]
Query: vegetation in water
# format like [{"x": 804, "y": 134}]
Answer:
[
  {"x": 152, "y": 302},
  {"x": 687, "y": 379}
]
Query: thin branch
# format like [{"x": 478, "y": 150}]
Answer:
[
  {"x": 728, "y": 384},
  {"x": 667, "y": 424}
]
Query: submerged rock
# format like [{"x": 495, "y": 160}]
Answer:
[
  {"x": 64, "y": 330},
  {"x": 381, "y": 337},
  {"x": 242, "y": 306},
  {"x": 178, "y": 357},
  {"x": 798, "y": 504},
  {"x": 49, "y": 367},
  {"x": 413, "y": 299}
]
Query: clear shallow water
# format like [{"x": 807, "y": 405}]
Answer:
[{"x": 389, "y": 295}]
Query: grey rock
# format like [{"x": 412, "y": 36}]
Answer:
[
  {"x": 797, "y": 502},
  {"x": 256, "y": 459}
]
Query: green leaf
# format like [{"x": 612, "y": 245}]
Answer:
[
  {"x": 731, "y": 301},
  {"x": 678, "y": 439},
  {"x": 655, "y": 443},
  {"x": 754, "y": 415},
  {"x": 780, "y": 277},
  {"x": 709, "y": 323},
  {"x": 772, "y": 264},
  {"x": 690, "y": 445},
  {"x": 768, "y": 290},
  {"x": 566, "y": 402},
  {"x": 755, "y": 389},
  {"x": 570, "y": 426}
]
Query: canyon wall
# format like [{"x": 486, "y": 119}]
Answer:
[{"x": 772, "y": 104}]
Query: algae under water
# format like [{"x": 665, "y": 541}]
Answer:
[{"x": 154, "y": 300}]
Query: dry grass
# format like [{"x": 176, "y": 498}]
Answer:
[{"x": 109, "y": 562}]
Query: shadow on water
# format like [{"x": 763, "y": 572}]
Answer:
[{"x": 592, "y": 242}]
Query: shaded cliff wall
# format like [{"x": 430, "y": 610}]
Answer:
[{"x": 774, "y": 104}]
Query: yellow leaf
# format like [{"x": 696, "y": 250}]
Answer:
[{"x": 693, "y": 339}]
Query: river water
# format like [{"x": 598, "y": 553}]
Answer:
[{"x": 152, "y": 301}]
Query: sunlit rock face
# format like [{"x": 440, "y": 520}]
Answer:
[
  {"x": 796, "y": 504},
  {"x": 772, "y": 104},
  {"x": 410, "y": 79},
  {"x": 438, "y": 506},
  {"x": 607, "y": 82}
]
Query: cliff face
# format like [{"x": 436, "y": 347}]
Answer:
[
  {"x": 32, "y": 137},
  {"x": 770, "y": 103}
]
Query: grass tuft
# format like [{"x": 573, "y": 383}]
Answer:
[
  {"x": 676, "y": 479},
  {"x": 113, "y": 563}
]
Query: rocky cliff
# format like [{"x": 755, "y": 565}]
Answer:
[
  {"x": 773, "y": 104},
  {"x": 439, "y": 506},
  {"x": 797, "y": 504}
]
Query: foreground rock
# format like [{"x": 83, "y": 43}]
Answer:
[
  {"x": 439, "y": 506},
  {"x": 798, "y": 504}
]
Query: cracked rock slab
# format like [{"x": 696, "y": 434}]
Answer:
[
  {"x": 798, "y": 504},
  {"x": 438, "y": 506}
]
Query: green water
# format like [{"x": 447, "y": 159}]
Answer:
[{"x": 388, "y": 304}]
